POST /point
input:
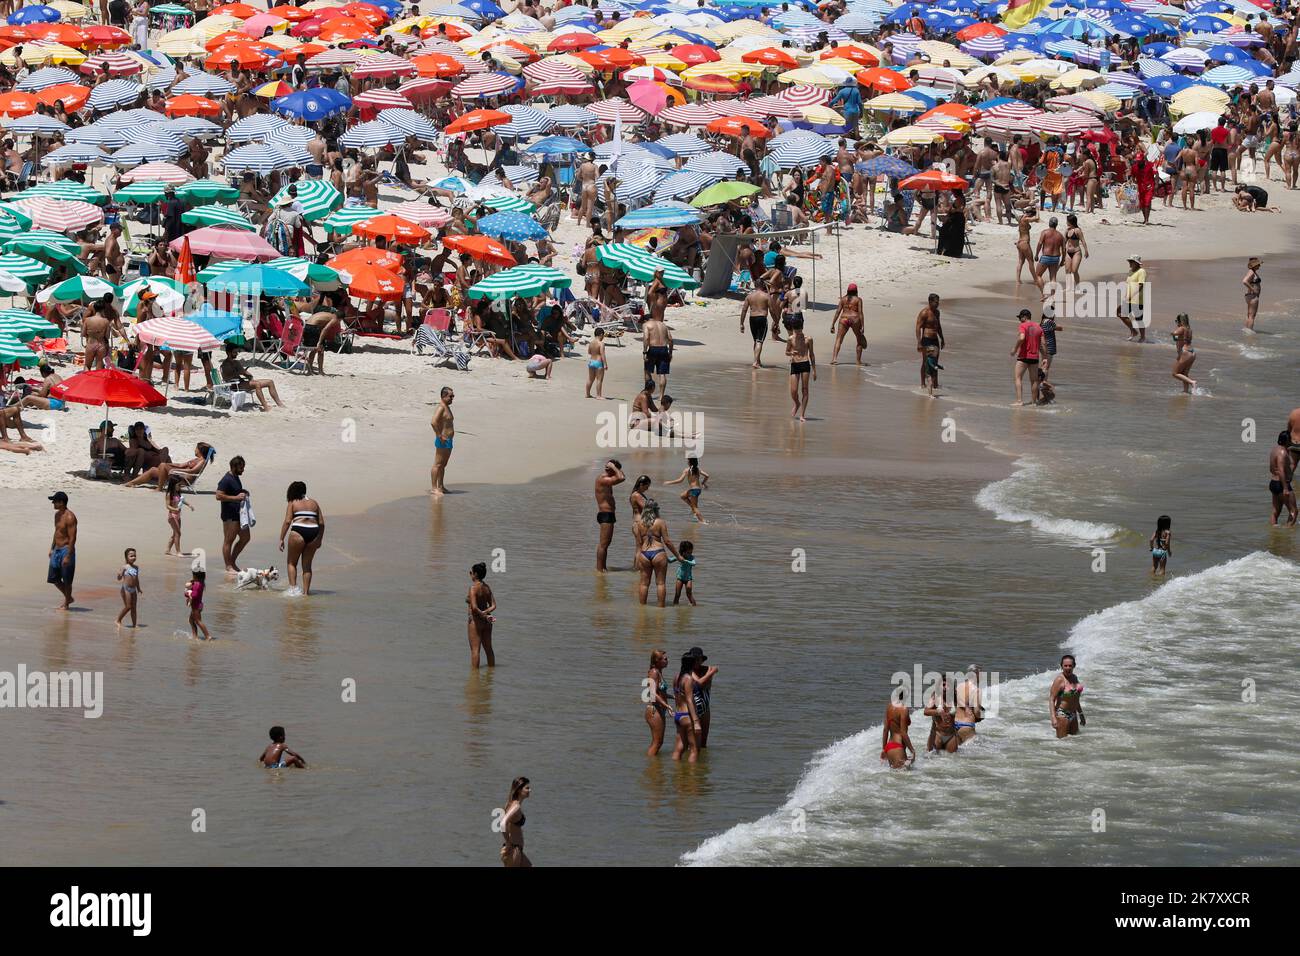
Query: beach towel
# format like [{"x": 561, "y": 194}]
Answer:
[{"x": 246, "y": 517}]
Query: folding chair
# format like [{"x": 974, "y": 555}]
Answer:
[
  {"x": 439, "y": 320},
  {"x": 291, "y": 351},
  {"x": 446, "y": 353}
]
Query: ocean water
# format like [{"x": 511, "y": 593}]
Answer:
[{"x": 837, "y": 554}]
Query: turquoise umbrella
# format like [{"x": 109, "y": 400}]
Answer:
[
  {"x": 258, "y": 279},
  {"x": 221, "y": 324}
]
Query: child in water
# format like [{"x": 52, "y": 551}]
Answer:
[
  {"x": 1162, "y": 544},
  {"x": 278, "y": 755},
  {"x": 130, "y": 578},
  {"x": 697, "y": 481},
  {"x": 685, "y": 572},
  {"x": 596, "y": 364},
  {"x": 174, "y": 500},
  {"x": 194, "y": 598}
]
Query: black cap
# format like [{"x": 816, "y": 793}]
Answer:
[
  {"x": 698, "y": 654},
  {"x": 59, "y": 496}
]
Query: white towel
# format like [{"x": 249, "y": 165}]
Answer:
[{"x": 246, "y": 517}]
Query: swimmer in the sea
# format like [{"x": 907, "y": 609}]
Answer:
[
  {"x": 969, "y": 710},
  {"x": 1281, "y": 473},
  {"x": 895, "y": 743},
  {"x": 1161, "y": 544},
  {"x": 1063, "y": 700},
  {"x": 278, "y": 754}
]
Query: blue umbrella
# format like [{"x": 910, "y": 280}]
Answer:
[
  {"x": 513, "y": 226},
  {"x": 38, "y": 13},
  {"x": 309, "y": 105},
  {"x": 1137, "y": 25},
  {"x": 391, "y": 7},
  {"x": 683, "y": 144},
  {"x": 684, "y": 185},
  {"x": 890, "y": 166},
  {"x": 1169, "y": 85},
  {"x": 1157, "y": 49},
  {"x": 259, "y": 279},
  {"x": 485, "y": 8},
  {"x": 568, "y": 117},
  {"x": 717, "y": 164},
  {"x": 558, "y": 146},
  {"x": 1203, "y": 23},
  {"x": 1022, "y": 41},
  {"x": 665, "y": 215},
  {"x": 254, "y": 127},
  {"x": 219, "y": 323}
]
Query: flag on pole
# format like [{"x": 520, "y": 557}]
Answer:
[{"x": 1020, "y": 12}]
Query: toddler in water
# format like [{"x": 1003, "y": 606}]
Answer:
[
  {"x": 278, "y": 755},
  {"x": 174, "y": 500},
  {"x": 685, "y": 572},
  {"x": 1162, "y": 544},
  {"x": 194, "y": 598},
  {"x": 130, "y": 578}
]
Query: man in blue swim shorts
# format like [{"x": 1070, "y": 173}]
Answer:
[
  {"x": 444, "y": 431},
  {"x": 63, "y": 549}
]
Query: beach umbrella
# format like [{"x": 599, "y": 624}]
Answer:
[
  {"x": 67, "y": 189},
  {"x": 113, "y": 93},
  {"x": 176, "y": 333},
  {"x": 259, "y": 279},
  {"x": 383, "y": 65},
  {"x": 204, "y": 84},
  {"x": 558, "y": 146},
  {"x": 46, "y": 250},
  {"x": 261, "y": 159},
  {"x": 393, "y": 228},
  {"x": 341, "y": 221},
  {"x": 684, "y": 144},
  {"x": 523, "y": 281},
  {"x": 422, "y": 212},
  {"x": 9, "y": 226},
  {"x": 382, "y": 99},
  {"x": 642, "y": 265},
  {"x": 718, "y": 164},
  {"x": 191, "y": 104},
  {"x": 411, "y": 123},
  {"x": 373, "y": 283},
  {"x": 317, "y": 197},
  {"x": 223, "y": 241},
  {"x": 478, "y": 247},
  {"x": 510, "y": 204},
  {"x": 511, "y": 226},
  {"x": 525, "y": 121},
  {"x": 570, "y": 117},
  {"x": 476, "y": 120},
  {"x": 1228, "y": 76},
  {"x": 82, "y": 288},
  {"x": 355, "y": 259},
  {"x": 24, "y": 331},
  {"x": 109, "y": 387},
  {"x": 60, "y": 215},
  {"x": 46, "y": 77},
  {"x": 723, "y": 193},
  {"x": 218, "y": 323},
  {"x": 312, "y": 106},
  {"x": 254, "y": 127},
  {"x": 614, "y": 109},
  {"x": 217, "y": 215},
  {"x": 35, "y": 13},
  {"x": 200, "y": 191},
  {"x": 890, "y": 166},
  {"x": 24, "y": 267},
  {"x": 683, "y": 185},
  {"x": 14, "y": 104},
  {"x": 37, "y": 125},
  {"x": 372, "y": 135},
  {"x": 934, "y": 180},
  {"x": 484, "y": 85},
  {"x": 170, "y": 293},
  {"x": 322, "y": 277}
]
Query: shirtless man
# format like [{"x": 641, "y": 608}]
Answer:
[
  {"x": 1049, "y": 253},
  {"x": 605, "y": 482},
  {"x": 40, "y": 396},
  {"x": 657, "y": 346},
  {"x": 929, "y": 343},
  {"x": 586, "y": 182},
  {"x": 96, "y": 328},
  {"x": 756, "y": 307},
  {"x": 1002, "y": 180},
  {"x": 1281, "y": 473},
  {"x": 1190, "y": 172},
  {"x": 984, "y": 162},
  {"x": 63, "y": 549},
  {"x": 656, "y": 295},
  {"x": 113, "y": 257},
  {"x": 444, "y": 430},
  {"x": 969, "y": 710},
  {"x": 774, "y": 281}
]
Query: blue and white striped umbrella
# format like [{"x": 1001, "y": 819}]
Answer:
[
  {"x": 262, "y": 159},
  {"x": 684, "y": 185},
  {"x": 1228, "y": 75},
  {"x": 36, "y": 125},
  {"x": 520, "y": 175},
  {"x": 255, "y": 127},
  {"x": 204, "y": 84},
  {"x": 794, "y": 17},
  {"x": 1149, "y": 67},
  {"x": 413, "y": 124},
  {"x": 802, "y": 153},
  {"x": 1126, "y": 80},
  {"x": 684, "y": 144},
  {"x": 1067, "y": 47},
  {"x": 295, "y": 135},
  {"x": 372, "y": 135},
  {"x": 1185, "y": 58},
  {"x": 97, "y": 135},
  {"x": 985, "y": 47},
  {"x": 194, "y": 127},
  {"x": 161, "y": 78},
  {"x": 76, "y": 153},
  {"x": 635, "y": 183},
  {"x": 456, "y": 10},
  {"x": 571, "y": 14},
  {"x": 858, "y": 22},
  {"x": 46, "y": 77},
  {"x": 512, "y": 226},
  {"x": 525, "y": 121},
  {"x": 121, "y": 119},
  {"x": 811, "y": 35},
  {"x": 1291, "y": 79},
  {"x": 1120, "y": 91},
  {"x": 632, "y": 153},
  {"x": 138, "y": 153},
  {"x": 571, "y": 117},
  {"x": 155, "y": 133},
  {"x": 662, "y": 214},
  {"x": 724, "y": 165}
]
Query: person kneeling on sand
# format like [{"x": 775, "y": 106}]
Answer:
[{"x": 234, "y": 374}]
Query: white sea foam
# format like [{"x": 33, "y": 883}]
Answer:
[{"x": 1009, "y": 501}]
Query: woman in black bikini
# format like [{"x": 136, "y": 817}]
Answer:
[
  {"x": 1254, "y": 284},
  {"x": 304, "y": 530},
  {"x": 512, "y": 825},
  {"x": 1186, "y": 355},
  {"x": 803, "y": 363},
  {"x": 482, "y": 606},
  {"x": 1076, "y": 247},
  {"x": 637, "y": 500}
]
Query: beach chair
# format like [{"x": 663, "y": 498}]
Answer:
[
  {"x": 445, "y": 352},
  {"x": 438, "y": 320},
  {"x": 588, "y": 315},
  {"x": 189, "y": 479},
  {"x": 291, "y": 351}
]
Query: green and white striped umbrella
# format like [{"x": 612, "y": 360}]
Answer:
[
  {"x": 347, "y": 217},
  {"x": 65, "y": 189},
  {"x": 12, "y": 350},
  {"x": 322, "y": 277},
  {"x": 18, "y": 213},
  {"x": 143, "y": 193},
  {"x": 52, "y": 238},
  {"x": 171, "y": 294},
  {"x": 79, "y": 289},
  {"x": 219, "y": 268},
  {"x": 49, "y": 250},
  {"x": 207, "y": 190},
  {"x": 25, "y": 318},
  {"x": 640, "y": 264},
  {"x": 24, "y": 267},
  {"x": 26, "y": 331},
  {"x": 510, "y": 204},
  {"x": 318, "y": 198},
  {"x": 526, "y": 280},
  {"x": 10, "y": 227},
  {"x": 214, "y": 214}
]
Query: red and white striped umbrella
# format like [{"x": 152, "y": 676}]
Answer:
[
  {"x": 776, "y": 106},
  {"x": 180, "y": 335},
  {"x": 1012, "y": 109},
  {"x": 1062, "y": 124},
  {"x": 168, "y": 173},
  {"x": 60, "y": 215},
  {"x": 484, "y": 84},
  {"x": 736, "y": 108},
  {"x": 425, "y": 90},
  {"x": 688, "y": 114},
  {"x": 1004, "y": 127},
  {"x": 806, "y": 95},
  {"x": 616, "y": 107},
  {"x": 553, "y": 77},
  {"x": 422, "y": 213},
  {"x": 119, "y": 64},
  {"x": 384, "y": 64},
  {"x": 382, "y": 99},
  {"x": 1075, "y": 101},
  {"x": 334, "y": 59}
]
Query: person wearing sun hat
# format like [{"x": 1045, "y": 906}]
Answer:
[{"x": 1132, "y": 311}]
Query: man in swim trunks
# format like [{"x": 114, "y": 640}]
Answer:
[
  {"x": 63, "y": 549},
  {"x": 756, "y": 307},
  {"x": 929, "y": 342},
  {"x": 278, "y": 754},
  {"x": 605, "y": 482},
  {"x": 1281, "y": 472},
  {"x": 1051, "y": 247},
  {"x": 444, "y": 431},
  {"x": 657, "y": 343}
]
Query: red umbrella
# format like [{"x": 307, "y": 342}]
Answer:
[
  {"x": 392, "y": 228},
  {"x": 883, "y": 81},
  {"x": 480, "y": 247},
  {"x": 355, "y": 260},
  {"x": 478, "y": 119},
  {"x": 771, "y": 56},
  {"x": 108, "y": 387},
  {"x": 933, "y": 179},
  {"x": 695, "y": 53}
]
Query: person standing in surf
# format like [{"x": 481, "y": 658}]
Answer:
[
  {"x": 1254, "y": 285},
  {"x": 688, "y": 702},
  {"x": 482, "y": 616},
  {"x": 848, "y": 317},
  {"x": 969, "y": 710},
  {"x": 1161, "y": 544},
  {"x": 943, "y": 731},
  {"x": 657, "y": 707},
  {"x": 697, "y": 480},
  {"x": 930, "y": 342},
  {"x": 1185, "y": 357},
  {"x": 605, "y": 518},
  {"x": 1063, "y": 701},
  {"x": 803, "y": 363},
  {"x": 512, "y": 825},
  {"x": 1281, "y": 473},
  {"x": 895, "y": 744},
  {"x": 444, "y": 434}
]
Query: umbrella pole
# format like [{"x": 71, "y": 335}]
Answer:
[
  {"x": 812, "y": 234},
  {"x": 839, "y": 274},
  {"x": 103, "y": 432}
]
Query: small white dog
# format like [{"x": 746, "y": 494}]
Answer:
[{"x": 253, "y": 578}]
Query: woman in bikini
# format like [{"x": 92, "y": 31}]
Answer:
[
  {"x": 304, "y": 531},
  {"x": 482, "y": 610},
  {"x": 943, "y": 729},
  {"x": 895, "y": 743},
  {"x": 1290, "y": 156},
  {"x": 1272, "y": 133},
  {"x": 1254, "y": 285},
  {"x": 512, "y": 825},
  {"x": 1024, "y": 247},
  {"x": 637, "y": 500},
  {"x": 688, "y": 705},
  {"x": 1076, "y": 247},
  {"x": 652, "y": 558},
  {"x": 1185, "y": 357},
  {"x": 1091, "y": 185},
  {"x": 848, "y": 317},
  {"x": 657, "y": 706},
  {"x": 803, "y": 363},
  {"x": 1063, "y": 700}
]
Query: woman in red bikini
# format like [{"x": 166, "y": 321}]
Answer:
[{"x": 896, "y": 743}]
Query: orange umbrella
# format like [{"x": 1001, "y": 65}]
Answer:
[
  {"x": 345, "y": 28},
  {"x": 437, "y": 64},
  {"x": 452, "y": 31},
  {"x": 967, "y": 114},
  {"x": 771, "y": 56},
  {"x": 17, "y": 104},
  {"x": 368, "y": 12},
  {"x": 189, "y": 105},
  {"x": 980, "y": 30},
  {"x": 185, "y": 273},
  {"x": 481, "y": 248},
  {"x": 738, "y": 126},
  {"x": 478, "y": 119},
  {"x": 392, "y": 228},
  {"x": 356, "y": 259},
  {"x": 14, "y": 34},
  {"x": 65, "y": 33},
  {"x": 933, "y": 179},
  {"x": 711, "y": 83},
  {"x": 102, "y": 35},
  {"x": 615, "y": 58},
  {"x": 293, "y": 14},
  {"x": 304, "y": 50},
  {"x": 234, "y": 55},
  {"x": 240, "y": 11},
  {"x": 371, "y": 282},
  {"x": 230, "y": 36},
  {"x": 532, "y": 55},
  {"x": 854, "y": 53},
  {"x": 71, "y": 95},
  {"x": 883, "y": 81}
]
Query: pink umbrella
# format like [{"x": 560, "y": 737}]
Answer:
[
  {"x": 1012, "y": 109},
  {"x": 333, "y": 60},
  {"x": 616, "y": 108},
  {"x": 384, "y": 64},
  {"x": 180, "y": 335},
  {"x": 648, "y": 95},
  {"x": 422, "y": 213},
  {"x": 118, "y": 63},
  {"x": 61, "y": 215},
  {"x": 256, "y": 26},
  {"x": 227, "y": 243},
  {"x": 552, "y": 77},
  {"x": 1062, "y": 124},
  {"x": 424, "y": 90},
  {"x": 168, "y": 173},
  {"x": 689, "y": 114}
]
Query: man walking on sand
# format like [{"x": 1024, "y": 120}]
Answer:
[
  {"x": 234, "y": 533},
  {"x": 444, "y": 431},
  {"x": 63, "y": 549},
  {"x": 605, "y": 482}
]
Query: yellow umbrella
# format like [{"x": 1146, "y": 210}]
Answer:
[
  {"x": 579, "y": 64},
  {"x": 43, "y": 54},
  {"x": 910, "y": 136},
  {"x": 842, "y": 63},
  {"x": 402, "y": 26},
  {"x": 175, "y": 45},
  {"x": 279, "y": 41},
  {"x": 70, "y": 10},
  {"x": 938, "y": 51},
  {"x": 209, "y": 27},
  {"x": 1014, "y": 56},
  {"x": 731, "y": 69},
  {"x": 1003, "y": 75},
  {"x": 1076, "y": 79},
  {"x": 506, "y": 62},
  {"x": 1107, "y": 102},
  {"x": 664, "y": 60},
  {"x": 898, "y": 102},
  {"x": 808, "y": 76},
  {"x": 822, "y": 115},
  {"x": 745, "y": 28}
]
